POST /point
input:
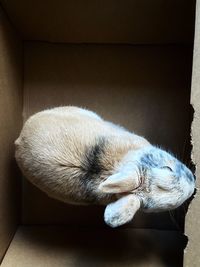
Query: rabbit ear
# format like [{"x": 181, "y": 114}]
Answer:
[
  {"x": 121, "y": 211},
  {"x": 119, "y": 183}
]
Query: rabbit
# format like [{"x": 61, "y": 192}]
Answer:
[{"x": 75, "y": 156}]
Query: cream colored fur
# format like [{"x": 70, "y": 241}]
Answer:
[{"x": 54, "y": 141}]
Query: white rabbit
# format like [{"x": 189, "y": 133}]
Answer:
[{"x": 75, "y": 156}]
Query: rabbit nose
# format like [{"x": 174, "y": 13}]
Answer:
[{"x": 190, "y": 177}]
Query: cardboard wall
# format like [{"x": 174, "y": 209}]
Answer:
[
  {"x": 103, "y": 21},
  {"x": 192, "y": 258},
  {"x": 146, "y": 89},
  {"x": 10, "y": 124}
]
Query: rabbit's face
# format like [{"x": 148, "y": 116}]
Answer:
[
  {"x": 149, "y": 179},
  {"x": 166, "y": 182}
]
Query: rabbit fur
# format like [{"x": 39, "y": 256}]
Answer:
[{"x": 75, "y": 156}]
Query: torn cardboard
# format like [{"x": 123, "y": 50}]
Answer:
[{"x": 192, "y": 224}]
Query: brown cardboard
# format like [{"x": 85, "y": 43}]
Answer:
[
  {"x": 102, "y": 21},
  {"x": 192, "y": 257},
  {"x": 145, "y": 89},
  {"x": 59, "y": 246},
  {"x": 140, "y": 87},
  {"x": 10, "y": 124}
]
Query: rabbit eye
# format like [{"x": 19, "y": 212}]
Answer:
[{"x": 168, "y": 168}]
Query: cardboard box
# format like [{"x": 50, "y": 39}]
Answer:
[{"x": 130, "y": 61}]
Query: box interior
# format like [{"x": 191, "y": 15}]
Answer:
[
  {"x": 128, "y": 62},
  {"x": 150, "y": 85}
]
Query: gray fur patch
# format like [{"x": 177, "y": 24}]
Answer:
[
  {"x": 148, "y": 203},
  {"x": 92, "y": 168},
  {"x": 148, "y": 160},
  {"x": 181, "y": 170},
  {"x": 92, "y": 161}
]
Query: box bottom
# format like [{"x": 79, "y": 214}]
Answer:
[{"x": 59, "y": 246}]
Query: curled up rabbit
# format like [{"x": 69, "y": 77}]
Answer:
[{"x": 75, "y": 156}]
